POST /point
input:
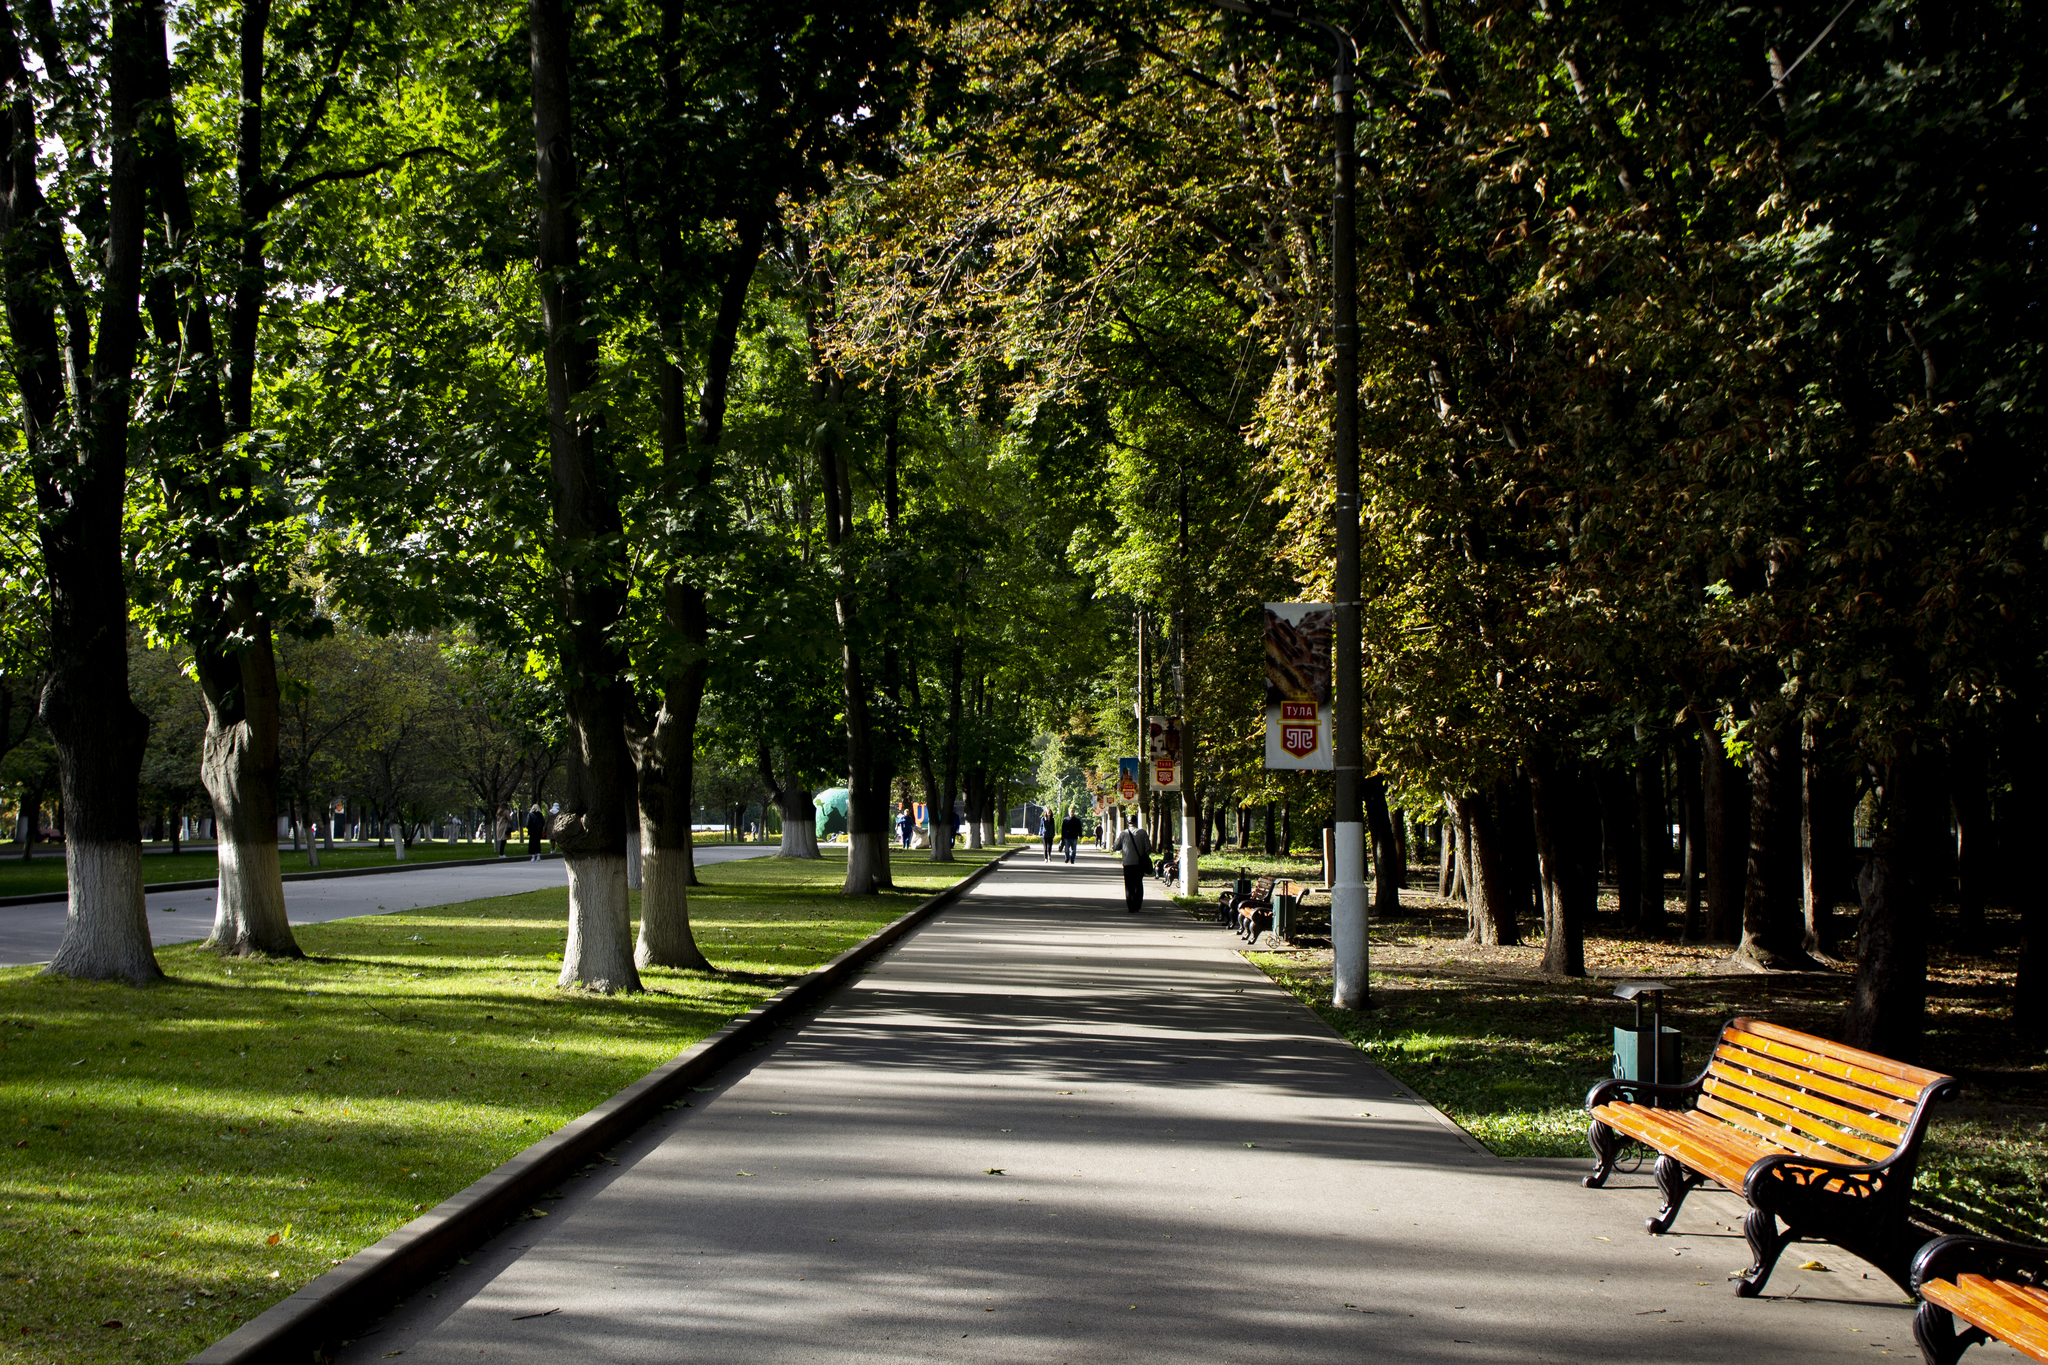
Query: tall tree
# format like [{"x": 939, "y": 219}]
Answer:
[
  {"x": 74, "y": 366},
  {"x": 587, "y": 545}
]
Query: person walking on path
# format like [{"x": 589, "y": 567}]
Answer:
[
  {"x": 536, "y": 825},
  {"x": 1070, "y": 834},
  {"x": 1047, "y": 828},
  {"x": 1134, "y": 848}
]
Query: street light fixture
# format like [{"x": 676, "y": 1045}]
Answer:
[{"x": 1348, "y": 899}]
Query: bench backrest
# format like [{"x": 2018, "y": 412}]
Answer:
[
  {"x": 1262, "y": 890},
  {"x": 1819, "y": 1098}
]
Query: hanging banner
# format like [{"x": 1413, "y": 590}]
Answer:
[
  {"x": 1298, "y": 684},
  {"x": 1127, "y": 779},
  {"x": 1162, "y": 751}
]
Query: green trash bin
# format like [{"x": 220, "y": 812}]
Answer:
[{"x": 1284, "y": 908}]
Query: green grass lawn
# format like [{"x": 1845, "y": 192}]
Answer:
[{"x": 178, "y": 1158}]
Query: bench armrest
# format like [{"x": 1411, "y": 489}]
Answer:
[
  {"x": 1615, "y": 1088},
  {"x": 1944, "y": 1258},
  {"x": 1768, "y": 1167}
]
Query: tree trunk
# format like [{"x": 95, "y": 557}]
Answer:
[
  {"x": 2026, "y": 760},
  {"x": 1653, "y": 841},
  {"x": 1970, "y": 805},
  {"x": 1446, "y": 845},
  {"x": 1624, "y": 844},
  {"x": 590, "y": 582},
  {"x": 1771, "y": 919},
  {"x": 1272, "y": 845},
  {"x": 1399, "y": 819},
  {"x": 1490, "y": 916},
  {"x": 1726, "y": 830},
  {"x": 80, "y": 482},
  {"x": 1693, "y": 812},
  {"x": 1564, "y": 868},
  {"x": 1464, "y": 870},
  {"x": 665, "y": 770},
  {"x": 799, "y": 816},
  {"x": 238, "y": 764},
  {"x": 1386, "y": 870},
  {"x": 1521, "y": 875},
  {"x": 1888, "y": 1003},
  {"x": 1824, "y": 816}
]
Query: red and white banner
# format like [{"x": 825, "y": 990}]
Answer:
[{"x": 1298, "y": 684}]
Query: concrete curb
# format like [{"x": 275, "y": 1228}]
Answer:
[
  {"x": 332, "y": 1306},
  {"x": 325, "y": 874}
]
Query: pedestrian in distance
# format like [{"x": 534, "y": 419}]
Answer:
[
  {"x": 1070, "y": 834},
  {"x": 536, "y": 826},
  {"x": 906, "y": 823},
  {"x": 1047, "y": 828},
  {"x": 1134, "y": 850}
]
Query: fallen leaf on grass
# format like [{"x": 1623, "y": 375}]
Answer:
[
  {"x": 113, "y": 1322},
  {"x": 271, "y": 1240}
]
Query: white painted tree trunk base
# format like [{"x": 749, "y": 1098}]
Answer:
[
  {"x": 799, "y": 840},
  {"x": 599, "y": 953},
  {"x": 867, "y": 863},
  {"x": 106, "y": 925},
  {"x": 666, "y": 939},
  {"x": 973, "y": 834},
  {"x": 248, "y": 909}
]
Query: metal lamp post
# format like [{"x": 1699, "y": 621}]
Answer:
[{"x": 1349, "y": 901}]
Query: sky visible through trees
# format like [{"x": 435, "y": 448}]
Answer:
[{"x": 620, "y": 393}]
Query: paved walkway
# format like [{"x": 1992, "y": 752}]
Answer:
[
  {"x": 30, "y": 934},
  {"x": 1042, "y": 1130}
]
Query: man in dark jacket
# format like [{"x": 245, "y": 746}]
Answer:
[
  {"x": 1070, "y": 834},
  {"x": 1134, "y": 850}
]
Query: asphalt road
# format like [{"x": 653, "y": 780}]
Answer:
[
  {"x": 30, "y": 934},
  {"x": 1042, "y": 1130}
]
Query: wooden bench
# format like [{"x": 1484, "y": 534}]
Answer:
[
  {"x": 1253, "y": 920},
  {"x": 2000, "y": 1289},
  {"x": 1227, "y": 902},
  {"x": 1821, "y": 1136}
]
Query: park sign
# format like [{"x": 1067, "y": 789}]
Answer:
[
  {"x": 1162, "y": 751},
  {"x": 1297, "y": 640},
  {"x": 1127, "y": 779}
]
